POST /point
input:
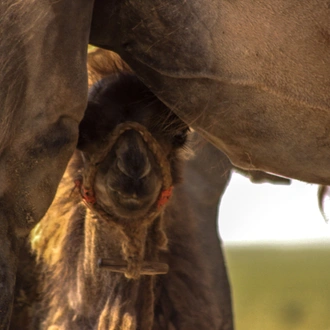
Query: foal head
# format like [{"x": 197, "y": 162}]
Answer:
[{"x": 129, "y": 179}]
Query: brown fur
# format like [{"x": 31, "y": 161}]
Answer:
[{"x": 102, "y": 63}]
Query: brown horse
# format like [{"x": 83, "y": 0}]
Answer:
[
  {"x": 129, "y": 158},
  {"x": 251, "y": 77}
]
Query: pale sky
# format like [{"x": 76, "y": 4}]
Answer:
[{"x": 271, "y": 213}]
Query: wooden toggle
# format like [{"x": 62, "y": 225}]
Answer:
[{"x": 120, "y": 266}]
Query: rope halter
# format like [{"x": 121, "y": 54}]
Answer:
[{"x": 133, "y": 246}]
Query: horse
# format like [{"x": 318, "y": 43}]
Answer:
[{"x": 251, "y": 77}]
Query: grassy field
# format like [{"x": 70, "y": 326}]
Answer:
[{"x": 280, "y": 288}]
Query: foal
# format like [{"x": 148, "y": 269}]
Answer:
[{"x": 116, "y": 203}]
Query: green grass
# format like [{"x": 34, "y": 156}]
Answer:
[{"x": 280, "y": 288}]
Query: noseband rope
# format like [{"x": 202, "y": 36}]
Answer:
[{"x": 135, "y": 231}]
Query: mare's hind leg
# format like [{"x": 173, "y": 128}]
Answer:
[
  {"x": 205, "y": 180},
  {"x": 43, "y": 89}
]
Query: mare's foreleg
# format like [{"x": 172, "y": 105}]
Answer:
[{"x": 43, "y": 93}]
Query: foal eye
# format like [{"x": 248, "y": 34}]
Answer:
[{"x": 179, "y": 139}]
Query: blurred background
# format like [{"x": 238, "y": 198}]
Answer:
[{"x": 277, "y": 247}]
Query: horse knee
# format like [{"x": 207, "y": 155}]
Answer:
[
  {"x": 32, "y": 173},
  {"x": 57, "y": 139}
]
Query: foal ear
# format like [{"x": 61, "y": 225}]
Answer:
[{"x": 90, "y": 128}]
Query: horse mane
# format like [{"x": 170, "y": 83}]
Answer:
[{"x": 102, "y": 63}]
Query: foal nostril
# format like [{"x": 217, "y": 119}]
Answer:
[
  {"x": 134, "y": 171},
  {"x": 146, "y": 170},
  {"x": 121, "y": 166}
]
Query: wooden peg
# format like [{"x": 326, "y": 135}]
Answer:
[{"x": 120, "y": 266}]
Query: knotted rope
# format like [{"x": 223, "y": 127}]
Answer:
[{"x": 135, "y": 230}]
